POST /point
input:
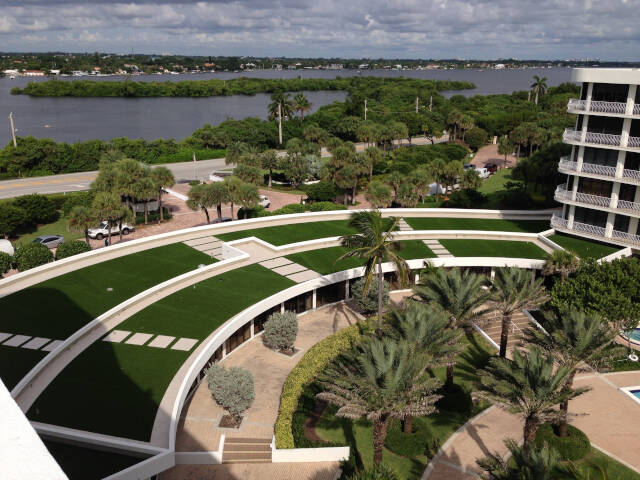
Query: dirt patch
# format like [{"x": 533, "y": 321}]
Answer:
[
  {"x": 310, "y": 424},
  {"x": 227, "y": 421},
  {"x": 489, "y": 154}
]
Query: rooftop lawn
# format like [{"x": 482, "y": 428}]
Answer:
[
  {"x": 493, "y": 248},
  {"x": 296, "y": 232},
  {"x": 583, "y": 247},
  {"x": 324, "y": 262},
  {"x": 126, "y": 383},
  {"x": 60, "y": 306},
  {"x": 499, "y": 225}
]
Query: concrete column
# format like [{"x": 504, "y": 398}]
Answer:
[
  {"x": 589, "y": 95},
  {"x": 633, "y": 221},
  {"x": 224, "y": 349},
  {"x": 346, "y": 290},
  {"x": 574, "y": 189},
  {"x": 585, "y": 118},
  {"x": 492, "y": 275},
  {"x": 620, "y": 165},
  {"x": 631, "y": 96},
  {"x": 609, "y": 228},
  {"x": 615, "y": 194},
  {"x": 417, "y": 280},
  {"x": 253, "y": 332},
  {"x": 585, "y": 124},
  {"x": 282, "y": 307},
  {"x": 572, "y": 212},
  {"x": 314, "y": 298},
  {"x": 580, "y": 157},
  {"x": 626, "y": 127}
]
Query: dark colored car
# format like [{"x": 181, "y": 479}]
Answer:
[
  {"x": 50, "y": 241},
  {"x": 224, "y": 219},
  {"x": 492, "y": 167}
]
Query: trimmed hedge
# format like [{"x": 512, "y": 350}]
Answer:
[
  {"x": 305, "y": 372},
  {"x": 5, "y": 263},
  {"x": 31, "y": 255},
  {"x": 73, "y": 247},
  {"x": 573, "y": 447}
]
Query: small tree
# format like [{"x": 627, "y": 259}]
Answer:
[
  {"x": 232, "y": 389},
  {"x": 505, "y": 147},
  {"x": 368, "y": 301},
  {"x": 12, "y": 219},
  {"x": 536, "y": 464},
  {"x": 379, "y": 194},
  {"x": 31, "y": 255},
  {"x": 39, "y": 209},
  {"x": 81, "y": 218},
  {"x": 563, "y": 262},
  {"x": 163, "y": 178},
  {"x": 74, "y": 247},
  {"x": 281, "y": 330}
]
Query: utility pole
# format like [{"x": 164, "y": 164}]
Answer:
[
  {"x": 430, "y": 102},
  {"x": 280, "y": 122},
  {"x": 365, "y": 108},
  {"x": 13, "y": 130},
  {"x": 416, "y": 104}
]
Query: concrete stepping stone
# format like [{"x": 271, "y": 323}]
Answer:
[
  {"x": 303, "y": 276},
  {"x": 184, "y": 344},
  {"x": 50, "y": 347},
  {"x": 289, "y": 269},
  {"x": 207, "y": 246},
  {"x": 161, "y": 341},
  {"x": 431, "y": 242},
  {"x": 16, "y": 340},
  {"x": 139, "y": 338},
  {"x": 199, "y": 241},
  {"x": 276, "y": 262},
  {"x": 36, "y": 343},
  {"x": 116, "y": 336},
  {"x": 4, "y": 336}
]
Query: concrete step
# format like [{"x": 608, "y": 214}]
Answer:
[
  {"x": 231, "y": 440},
  {"x": 247, "y": 447},
  {"x": 266, "y": 456},
  {"x": 246, "y": 461}
]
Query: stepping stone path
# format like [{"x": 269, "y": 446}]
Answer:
[
  {"x": 141, "y": 339},
  {"x": 435, "y": 246},
  {"x": 293, "y": 271},
  {"x": 208, "y": 245},
  {"x": 246, "y": 450},
  {"x": 26, "y": 341}
]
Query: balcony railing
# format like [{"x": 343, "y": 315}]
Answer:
[
  {"x": 617, "y": 108},
  {"x": 633, "y": 142},
  {"x": 636, "y": 109},
  {"x": 570, "y": 136},
  {"x": 629, "y": 238},
  {"x": 593, "y": 231},
  {"x": 562, "y": 194},
  {"x": 626, "y": 205},
  {"x": 635, "y": 174},
  {"x": 558, "y": 222}
]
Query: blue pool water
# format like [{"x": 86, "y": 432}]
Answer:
[
  {"x": 635, "y": 335},
  {"x": 636, "y": 393}
]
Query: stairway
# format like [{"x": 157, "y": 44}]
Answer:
[
  {"x": 491, "y": 324},
  {"x": 246, "y": 450}
]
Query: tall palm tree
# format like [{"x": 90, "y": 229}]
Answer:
[
  {"x": 107, "y": 207},
  {"x": 248, "y": 196},
  {"x": 199, "y": 198},
  {"x": 218, "y": 194},
  {"x": 539, "y": 86},
  {"x": 530, "y": 385},
  {"x": 232, "y": 184},
  {"x": 163, "y": 178},
  {"x": 128, "y": 175},
  {"x": 374, "y": 242},
  {"x": 577, "y": 341},
  {"x": 513, "y": 290},
  {"x": 563, "y": 262},
  {"x": 459, "y": 295},
  {"x": 283, "y": 100},
  {"x": 370, "y": 157},
  {"x": 379, "y": 194},
  {"x": 379, "y": 380},
  {"x": 505, "y": 147},
  {"x": 302, "y": 104},
  {"x": 81, "y": 218},
  {"x": 234, "y": 153},
  {"x": 269, "y": 159},
  {"x": 536, "y": 464}
]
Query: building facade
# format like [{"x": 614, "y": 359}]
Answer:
[{"x": 601, "y": 197}]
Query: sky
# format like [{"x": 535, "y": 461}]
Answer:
[{"x": 471, "y": 29}]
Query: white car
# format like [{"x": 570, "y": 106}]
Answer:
[
  {"x": 101, "y": 232},
  {"x": 483, "y": 172},
  {"x": 264, "y": 202}
]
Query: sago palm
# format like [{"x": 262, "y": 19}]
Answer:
[
  {"x": 514, "y": 290},
  {"x": 459, "y": 295},
  {"x": 563, "y": 262},
  {"x": 380, "y": 380},
  {"x": 536, "y": 464},
  {"x": 530, "y": 385},
  {"x": 375, "y": 242},
  {"x": 577, "y": 341}
]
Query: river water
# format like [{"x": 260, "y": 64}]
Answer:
[{"x": 77, "y": 119}]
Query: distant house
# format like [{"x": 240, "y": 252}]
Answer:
[{"x": 33, "y": 73}]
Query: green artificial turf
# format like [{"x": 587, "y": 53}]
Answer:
[
  {"x": 583, "y": 247},
  {"x": 297, "y": 232},
  {"x": 60, "y": 306},
  {"x": 493, "y": 248},
  {"x": 596, "y": 462},
  {"x": 125, "y": 383},
  {"x": 59, "y": 227},
  {"x": 324, "y": 260},
  {"x": 494, "y": 224},
  {"x": 15, "y": 363}
]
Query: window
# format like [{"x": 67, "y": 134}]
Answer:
[
  {"x": 597, "y": 218},
  {"x": 609, "y": 92},
  {"x": 600, "y": 156},
  {"x": 608, "y": 125},
  {"x": 592, "y": 186},
  {"x": 627, "y": 192},
  {"x": 239, "y": 337},
  {"x": 259, "y": 321},
  {"x": 632, "y": 160},
  {"x": 330, "y": 294},
  {"x": 300, "y": 304},
  {"x": 635, "y": 128},
  {"x": 621, "y": 223}
]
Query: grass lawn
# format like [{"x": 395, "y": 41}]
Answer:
[
  {"x": 497, "y": 181},
  {"x": 583, "y": 247},
  {"x": 126, "y": 383},
  {"x": 59, "y": 227},
  {"x": 597, "y": 460},
  {"x": 60, "y": 306},
  {"x": 298, "y": 232},
  {"x": 455, "y": 410},
  {"x": 526, "y": 226},
  {"x": 324, "y": 260},
  {"x": 493, "y": 248}
]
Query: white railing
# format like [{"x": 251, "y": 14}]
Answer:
[
  {"x": 627, "y": 173},
  {"x": 598, "y": 169},
  {"x": 602, "y": 139},
  {"x": 571, "y": 135},
  {"x": 559, "y": 222},
  {"x": 626, "y": 237},
  {"x": 566, "y": 164},
  {"x": 562, "y": 193},
  {"x": 627, "y": 205},
  {"x": 636, "y": 109},
  {"x": 597, "y": 106},
  {"x": 593, "y": 231},
  {"x": 590, "y": 229},
  {"x": 633, "y": 142}
]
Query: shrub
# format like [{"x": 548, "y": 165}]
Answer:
[
  {"x": 515, "y": 200},
  {"x": 369, "y": 302},
  {"x": 410, "y": 445},
  {"x": 75, "y": 199},
  {"x": 573, "y": 447},
  {"x": 259, "y": 211},
  {"x": 305, "y": 372},
  {"x": 324, "y": 207},
  {"x": 39, "y": 209},
  {"x": 281, "y": 330},
  {"x": 12, "y": 219},
  {"x": 5, "y": 263},
  {"x": 73, "y": 247},
  {"x": 466, "y": 198},
  {"x": 232, "y": 389},
  {"x": 476, "y": 137},
  {"x": 379, "y": 472},
  {"x": 31, "y": 255},
  {"x": 321, "y": 192},
  {"x": 291, "y": 208}
]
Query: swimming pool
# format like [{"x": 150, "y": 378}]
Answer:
[
  {"x": 633, "y": 392},
  {"x": 635, "y": 335}
]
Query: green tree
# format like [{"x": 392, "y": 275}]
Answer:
[
  {"x": 374, "y": 243},
  {"x": 81, "y": 219},
  {"x": 529, "y": 385},
  {"x": 433, "y": 126},
  {"x": 235, "y": 152},
  {"x": 536, "y": 464},
  {"x": 421, "y": 179},
  {"x": 269, "y": 160},
  {"x": 232, "y": 184},
  {"x": 147, "y": 189},
  {"x": 539, "y": 86},
  {"x": 563, "y": 262},
  {"x": 438, "y": 169},
  {"x": 407, "y": 196},
  {"x": 470, "y": 179},
  {"x": 163, "y": 178},
  {"x": 302, "y": 104},
  {"x": 505, "y": 147},
  {"x": 287, "y": 105},
  {"x": 369, "y": 158},
  {"x": 513, "y": 289},
  {"x": 12, "y": 219},
  {"x": 107, "y": 207},
  {"x": 379, "y": 380},
  {"x": 395, "y": 179},
  {"x": 200, "y": 198},
  {"x": 248, "y": 197},
  {"x": 379, "y": 194},
  {"x": 129, "y": 172}
]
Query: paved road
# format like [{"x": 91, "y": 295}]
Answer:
[{"x": 74, "y": 182}]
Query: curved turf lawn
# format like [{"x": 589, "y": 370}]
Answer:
[
  {"x": 496, "y": 225},
  {"x": 296, "y": 232},
  {"x": 583, "y": 247},
  {"x": 493, "y": 248}
]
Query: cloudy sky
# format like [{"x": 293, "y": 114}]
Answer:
[{"x": 546, "y": 29}]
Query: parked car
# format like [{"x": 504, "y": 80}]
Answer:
[
  {"x": 50, "y": 241},
  {"x": 264, "y": 201},
  {"x": 483, "y": 172},
  {"x": 216, "y": 178},
  {"x": 467, "y": 166},
  {"x": 100, "y": 232},
  {"x": 492, "y": 167},
  {"x": 223, "y": 219}
]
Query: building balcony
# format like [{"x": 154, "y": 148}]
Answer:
[
  {"x": 602, "y": 172},
  {"x": 575, "y": 137},
  {"x": 594, "y": 232},
  {"x": 582, "y": 106},
  {"x": 563, "y": 195}
]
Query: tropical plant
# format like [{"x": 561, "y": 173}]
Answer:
[
  {"x": 374, "y": 242},
  {"x": 514, "y": 289},
  {"x": 163, "y": 178},
  {"x": 379, "y": 194},
  {"x": 368, "y": 302},
  {"x": 281, "y": 330},
  {"x": 281, "y": 104},
  {"x": 81, "y": 218},
  {"x": 470, "y": 179},
  {"x": 70, "y": 248},
  {"x": 107, "y": 207},
  {"x": 379, "y": 380},
  {"x": 437, "y": 168},
  {"x": 146, "y": 189},
  {"x": 31, "y": 255},
  {"x": 232, "y": 389},
  {"x": 128, "y": 173},
  {"x": 248, "y": 197},
  {"x": 534, "y": 464},
  {"x": 395, "y": 179},
  {"x": 564, "y": 262},
  {"x": 530, "y": 385},
  {"x": 539, "y": 86},
  {"x": 302, "y": 104},
  {"x": 235, "y": 152},
  {"x": 199, "y": 198},
  {"x": 269, "y": 162},
  {"x": 505, "y": 147},
  {"x": 407, "y": 195},
  {"x": 232, "y": 184},
  {"x": 369, "y": 158},
  {"x": 421, "y": 179},
  {"x": 458, "y": 294}
]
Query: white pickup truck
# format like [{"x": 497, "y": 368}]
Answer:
[{"x": 100, "y": 232}]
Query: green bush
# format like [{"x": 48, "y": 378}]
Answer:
[
  {"x": 12, "y": 219},
  {"x": 369, "y": 302},
  {"x": 5, "y": 263},
  {"x": 73, "y": 247},
  {"x": 324, "y": 207},
  {"x": 31, "y": 255},
  {"x": 74, "y": 199},
  {"x": 281, "y": 330},
  {"x": 305, "y": 372},
  {"x": 321, "y": 191},
  {"x": 466, "y": 198},
  {"x": 232, "y": 389},
  {"x": 153, "y": 216},
  {"x": 379, "y": 472},
  {"x": 291, "y": 208},
  {"x": 515, "y": 200},
  {"x": 259, "y": 211},
  {"x": 573, "y": 447},
  {"x": 39, "y": 208},
  {"x": 410, "y": 445}
]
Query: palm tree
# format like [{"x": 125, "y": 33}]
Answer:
[
  {"x": 539, "y": 86},
  {"x": 505, "y": 147},
  {"x": 232, "y": 184},
  {"x": 577, "y": 341},
  {"x": 218, "y": 194},
  {"x": 107, "y": 207},
  {"x": 536, "y": 464},
  {"x": 283, "y": 100},
  {"x": 248, "y": 196},
  {"x": 302, "y": 104},
  {"x": 163, "y": 178},
  {"x": 437, "y": 168},
  {"x": 459, "y": 295},
  {"x": 370, "y": 157},
  {"x": 374, "y": 242},
  {"x": 513, "y": 290},
  {"x": 269, "y": 159},
  {"x": 379, "y": 194},
  {"x": 421, "y": 179},
  {"x": 235, "y": 151},
  {"x": 199, "y": 198},
  {"x": 563, "y": 262},
  {"x": 146, "y": 189},
  {"x": 128, "y": 175},
  {"x": 379, "y": 380},
  {"x": 81, "y": 218},
  {"x": 470, "y": 179},
  {"x": 395, "y": 179},
  {"x": 530, "y": 385}
]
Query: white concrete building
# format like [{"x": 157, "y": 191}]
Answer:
[{"x": 602, "y": 194}]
